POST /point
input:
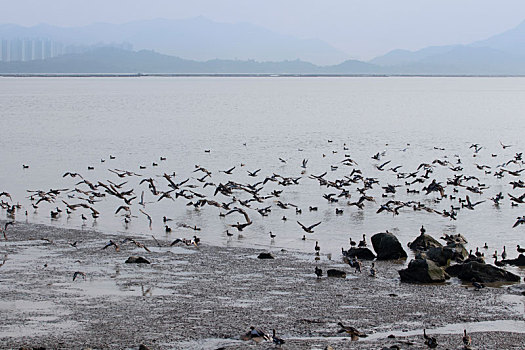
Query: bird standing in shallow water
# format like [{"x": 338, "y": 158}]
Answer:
[{"x": 318, "y": 272}]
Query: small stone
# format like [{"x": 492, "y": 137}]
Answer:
[
  {"x": 265, "y": 256},
  {"x": 137, "y": 260},
  {"x": 336, "y": 273}
]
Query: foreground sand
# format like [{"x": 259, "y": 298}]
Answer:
[{"x": 205, "y": 297}]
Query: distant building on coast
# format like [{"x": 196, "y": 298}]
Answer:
[{"x": 30, "y": 49}]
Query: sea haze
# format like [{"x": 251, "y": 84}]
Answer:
[{"x": 56, "y": 125}]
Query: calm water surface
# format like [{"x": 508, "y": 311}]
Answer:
[{"x": 56, "y": 125}]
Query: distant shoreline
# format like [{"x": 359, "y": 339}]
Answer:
[{"x": 242, "y": 75}]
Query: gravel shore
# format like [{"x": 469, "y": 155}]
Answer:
[{"x": 206, "y": 297}]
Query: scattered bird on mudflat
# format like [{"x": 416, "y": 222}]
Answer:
[
  {"x": 255, "y": 334},
  {"x": 276, "y": 340},
  {"x": 318, "y": 272},
  {"x": 467, "y": 340},
  {"x": 353, "y": 332},
  {"x": 317, "y": 248},
  {"x": 373, "y": 270},
  {"x": 477, "y": 285},
  {"x": 431, "y": 342}
]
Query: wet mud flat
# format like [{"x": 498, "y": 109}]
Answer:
[{"x": 206, "y": 297}]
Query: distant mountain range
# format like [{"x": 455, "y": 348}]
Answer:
[
  {"x": 244, "y": 49},
  {"x": 114, "y": 60},
  {"x": 197, "y": 38}
]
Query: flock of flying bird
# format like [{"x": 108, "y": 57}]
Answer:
[
  {"x": 264, "y": 194},
  {"x": 245, "y": 199}
]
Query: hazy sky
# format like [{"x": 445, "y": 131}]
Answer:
[{"x": 362, "y": 28}]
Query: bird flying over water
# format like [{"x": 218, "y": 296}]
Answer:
[{"x": 309, "y": 229}]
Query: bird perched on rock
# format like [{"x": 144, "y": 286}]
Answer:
[{"x": 362, "y": 243}]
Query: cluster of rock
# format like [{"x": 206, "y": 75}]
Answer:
[
  {"x": 386, "y": 246},
  {"x": 434, "y": 263}
]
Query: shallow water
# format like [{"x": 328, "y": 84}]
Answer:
[{"x": 56, "y": 125}]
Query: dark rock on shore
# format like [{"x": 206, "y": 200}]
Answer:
[
  {"x": 424, "y": 242},
  {"x": 459, "y": 251},
  {"x": 360, "y": 253},
  {"x": 336, "y": 273},
  {"x": 483, "y": 273},
  {"x": 265, "y": 256},
  {"x": 422, "y": 271},
  {"x": 137, "y": 260},
  {"x": 519, "y": 261},
  {"x": 387, "y": 246},
  {"x": 444, "y": 255}
]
